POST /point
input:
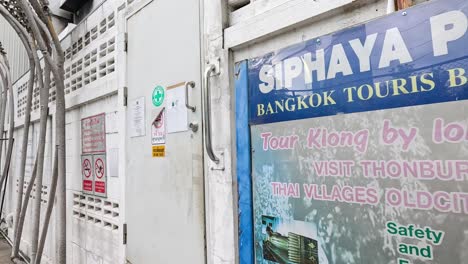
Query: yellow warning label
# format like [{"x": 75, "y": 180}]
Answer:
[{"x": 159, "y": 151}]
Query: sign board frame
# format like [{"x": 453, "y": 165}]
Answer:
[{"x": 279, "y": 184}]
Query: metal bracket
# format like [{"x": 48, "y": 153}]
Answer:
[
  {"x": 125, "y": 96},
  {"x": 124, "y": 238},
  {"x": 125, "y": 42},
  {"x": 221, "y": 165},
  {"x": 217, "y": 65}
]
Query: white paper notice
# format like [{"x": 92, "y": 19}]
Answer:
[
  {"x": 111, "y": 123},
  {"x": 177, "y": 114},
  {"x": 137, "y": 117}
]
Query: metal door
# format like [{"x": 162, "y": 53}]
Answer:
[{"x": 164, "y": 195}]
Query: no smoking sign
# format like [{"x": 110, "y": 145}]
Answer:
[
  {"x": 99, "y": 168},
  {"x": 87, "y": 173},
  {"x": 87, "y": 170},
  {"x": 94, "y": 174},
  {"x": 100, "y": 179}
]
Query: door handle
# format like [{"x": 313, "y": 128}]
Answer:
[
  {"x": 192, "y": 85},
  {"x": 207, "y": 113}
]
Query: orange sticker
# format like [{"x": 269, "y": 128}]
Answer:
[{"x": 159, "y": 151}]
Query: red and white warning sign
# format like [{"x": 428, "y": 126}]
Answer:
[
  {"x": 94, "y": 174},
  {"x": 87, "y": 173},
  {"x": 100, "y": 172},
  {"x": 158, "y": 129},
  {"x": 93, "y": 134}
]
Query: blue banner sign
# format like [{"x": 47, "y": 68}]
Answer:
[{"x": 409, "y": 58}]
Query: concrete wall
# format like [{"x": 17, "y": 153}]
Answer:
[{"x": 94, "y": 225}]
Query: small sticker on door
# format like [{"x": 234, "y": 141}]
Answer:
[
  {"x": 158, "y": 129},
  {"x": 158, "y": 96},
  {"x": 159, "y": 151}
]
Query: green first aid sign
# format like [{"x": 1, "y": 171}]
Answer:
[{"x": 158, "y": 95}]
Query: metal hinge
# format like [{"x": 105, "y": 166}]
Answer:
[
  {"x": 125, "y": 42},
  {"x": 125, "y": 96},
  {"x": 124, "y": 238}
]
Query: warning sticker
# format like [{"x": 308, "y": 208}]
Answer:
[
  {"x": 159, "y": 151},
  {"x": 100, "y": 171},
  {"x": 158, "y": 129}
]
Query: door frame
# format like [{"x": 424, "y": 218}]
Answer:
[{"x": 244, "y": 164}]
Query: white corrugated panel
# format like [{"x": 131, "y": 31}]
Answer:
[{"x": 15, "y": 50}]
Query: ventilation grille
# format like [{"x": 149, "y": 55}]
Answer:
[
  {"x": 32, "y": 196},
  {"x": 90, "y": 58},
  {"x": 97, "y": 211}
]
